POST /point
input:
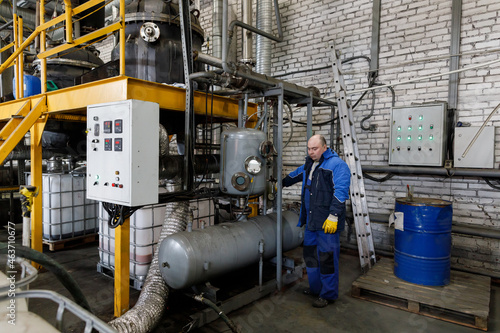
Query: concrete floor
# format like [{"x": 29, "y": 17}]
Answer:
[{"x": 288, "y": 311}]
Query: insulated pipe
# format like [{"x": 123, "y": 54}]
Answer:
[
  {"x": 27, "y": 14},
  {"x": 247, "y": 35},
  {"x": 189, "y": 258},
  {"x": 217, "y": 28},
  {"x": 173, "y": 166},
  {"x": 412, "y": 170},
  {"x": 148, "y": 310},
  {"x": 263, "y": 44}
]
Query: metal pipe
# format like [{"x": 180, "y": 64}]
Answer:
[
  {"x": 279, "y": 194},
  {"x": 148, "y": 310},
  {"x": 69, "y": 21},
  {"x": 247, "y": 53},
  {"x": 122, "y": 37},
  {"x": 7, "y": 11},
  {"x": 20, "y": 59},
  {"x": 263, "y": 45},
  {"x": 456, "y": 23},
  {"x": 43, "y": 36},
  {"x": 173, "y": 166},
  {"x": 217, "y": 33},
  {"x": 412, "y": 170}
]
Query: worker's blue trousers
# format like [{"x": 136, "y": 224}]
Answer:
[{"x": 321, "y": 254}]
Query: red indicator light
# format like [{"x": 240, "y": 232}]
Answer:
[
  {"x": 113, "y": 185},
  {"x": 409, "y": 117},
  {"x": 117, "y": 142},
  {"x": 120, "y": 186}
]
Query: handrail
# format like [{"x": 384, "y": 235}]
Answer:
[{"x": 20, "y": 45}]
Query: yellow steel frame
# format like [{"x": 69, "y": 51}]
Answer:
[
  {"x": 75, "y": 100},
  {"x": 122, "y": 268}
]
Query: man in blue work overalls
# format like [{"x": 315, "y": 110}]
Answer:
[{"x": 325, "y": 188}]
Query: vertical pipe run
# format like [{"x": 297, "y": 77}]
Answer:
[
  {"x": 247, "y": 35},
  {"x": 20, "y": 92},
  {"x": 263, "y": 44},
  {"x": 278, "y": 116},
  {"x": 217, "y": 29},
  {"x": 309, "y": 117},
  {"x": 456, "y": 22},
  {"x": 374, "y": 50},
  {"x": 16, "y": 46},
  {"x": 122, "y": 268},
  {"x": 43, "y": 34},
  {"x": 122, "y": 37},
  {"x": 68, "y": 11}
]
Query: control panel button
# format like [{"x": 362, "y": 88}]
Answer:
[
  {"x": 107, "y": 126},
  {"x": 119, "y": 126},
  {"x": 118, "y": 144},
  {"x": 108, "y": 144}
]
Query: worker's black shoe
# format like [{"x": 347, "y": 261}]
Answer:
[
  {"x": 321, "y": 302},
  {"x": 308, "y": 292}
]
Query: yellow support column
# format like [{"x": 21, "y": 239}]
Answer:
[
  {"x": 20, "y": 92},
  {"x": 16, "y": 62},
  {"x": 122, "y": 37},
  {"x": 36, "y": 180},
  {"x": 43, "y": 34},
  {"x": 122, "y": 269}
]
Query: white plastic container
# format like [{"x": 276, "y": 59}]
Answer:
[
  {"x": 145, "y": 228},
  {"x": 67, "y": 213}
]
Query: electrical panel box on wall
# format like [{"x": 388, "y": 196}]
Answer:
[
  {"x": 122, "y": 152},
  {"x": 418, "y": 135},
  {"x": 482, "y": 152}
]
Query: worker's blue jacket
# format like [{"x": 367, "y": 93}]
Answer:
[{"x": 329, "y": 190}]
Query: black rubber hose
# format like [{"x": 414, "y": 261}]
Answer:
[
  {"x": 61, "y": 274},
  {"x": 221, "y": 314}
]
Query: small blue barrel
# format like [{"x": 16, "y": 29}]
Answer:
[
  {"x": 32, "y": 85},
  {"x": 422, "y": 250}
]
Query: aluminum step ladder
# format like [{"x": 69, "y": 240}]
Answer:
[{"x": 351, "y": 153}]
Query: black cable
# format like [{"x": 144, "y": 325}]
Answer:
[
  {"x": 117, "y": 214},
  {"x": 379, "y": 180},
  {"x": 495, "y": 187},
  {"x": 61, "y": 274}
]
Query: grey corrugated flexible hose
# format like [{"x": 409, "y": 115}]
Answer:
[{"x": 148, "y": 310}]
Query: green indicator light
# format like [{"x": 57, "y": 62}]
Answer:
[
  {"x": 96, "y": 176},
  {"x": 432, "y": 126},
  {"x": 409, "y": 137},
  {"x": 431, "y": 137},
  {"x": 399, "y": 128},
  {"x": 420, "y": 137},
  {"x": 420, "y": 127},
  {"x": 399, "y": 138},
  {"x": 420, "y": 117},
  {"x": 409, "y": 128}
]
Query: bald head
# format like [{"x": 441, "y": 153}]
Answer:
[{"x": 316, "y": 146}]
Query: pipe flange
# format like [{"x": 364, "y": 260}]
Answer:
[{"x": 150, "y": 32}]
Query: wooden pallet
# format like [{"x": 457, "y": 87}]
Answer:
[
  {"x": 55, "y": 245},
  {"x": 465, "y": 301}
]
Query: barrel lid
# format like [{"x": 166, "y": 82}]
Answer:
[{"x": 423, "y": 202}]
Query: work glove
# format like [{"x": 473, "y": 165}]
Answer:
[{"x": 330, "y": 225}]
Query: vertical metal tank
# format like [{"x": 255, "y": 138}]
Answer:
[
  {"x": 153, "y": 48},
  {"x": 188, "y": 258},
  {"x": 242, "y": 164},
  {"x": 423, "y": 248}
]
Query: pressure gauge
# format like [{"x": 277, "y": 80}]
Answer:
[
  {"x": 266, "y": 149},
  {"x": 253, "y": 165}
]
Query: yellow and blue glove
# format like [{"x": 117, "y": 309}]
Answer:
[{"x": 330, "y": 225}]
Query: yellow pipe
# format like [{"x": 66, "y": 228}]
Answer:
[
  {"x": 13, "y": 56},
  {"x": 69, "y": 21},
  {"x": 17, "y": 51},
  {"x": 43, "y": 70},
  {"x": 21, "y": 61},
  {"x": 122, "y": 37},
  {"x": 6, "y": 47},
  {"x": 122, "y": 269}
]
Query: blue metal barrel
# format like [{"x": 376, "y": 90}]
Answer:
[{"x": 422, "y": 250}]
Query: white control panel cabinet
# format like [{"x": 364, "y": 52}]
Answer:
[
  {"x": 418, "y": 135},
  {"x": 122, "y": 152},
  {"x": 482, "y": 152}
]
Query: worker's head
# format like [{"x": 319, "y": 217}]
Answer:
[{"x": 316, "y": 146}]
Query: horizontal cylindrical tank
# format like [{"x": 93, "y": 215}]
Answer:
[
  {"x": 242, "y": 164},
  {"x": 188, "y": 258}
]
